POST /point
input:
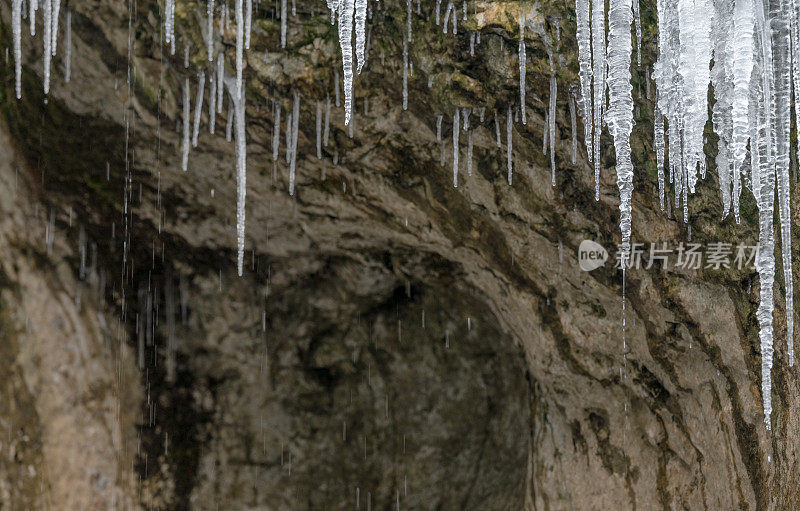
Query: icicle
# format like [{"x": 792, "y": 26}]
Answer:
[
  {"x": 289, "y": 138},
  {"x": 16, "y": 28},
  {"x": 48, "y": 39},
  {"x": 782, "y": 105},
  {"x": 552, "y": 115},
  {"x": 326, "y": 132},
  {"x": 573, "y": 129},
  {"x": 295, "y": 123},
  {"x": 743, "y": 28},
  {"x": 658, "y": 142},
  {"x": 32, "y": 5},
  {"x": 447, "y": 13},
  {"x": 241, "y": 170},
  {"x": 437, "y": 17},
  {"x": 248, "y": 22},
  {"x": 545, "y": 131},
  {"x": 405, "y": 75},
  {"x": 638, "y": 22},
  {"x": 220, "y": 81},
  {"x": 469, "y": 153},
  {"x": 620, "y": 114},
  {"x": 212, "y": 103},
  {"x": 276, "y": 132},
  {"x": 68, "y": 49},
  {"x": 456, "y": 128},
  {"x": 239, "y": 49},
  {"x": 439, "y": 128},
  {"x": 284, "y": 19},
  {"x": 408, "y": 19},
  {"x": 508, "y": 145},
  {"x": 497, "y": 130},
  {"x": 599, "y": 73},
  {"x": 346, "y": 8},
  {"x": 319, "y": 130},
  {"x": 56, "y": 8},
  {"x": 522, "y": 67},
  {"x": 169, "y": 22},
  {"x": 186, "y": 121},
  {"x": 361, "y": 31},
  {"x": 210, "y": 30},
  {"x": 198, "y": 106}
]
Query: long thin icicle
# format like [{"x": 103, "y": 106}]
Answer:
[
  {"x": 620, "y": 114},
  {"x": 781, "y": 51},
  {"x": 295, "y": 123},
  {"x": 186, "y": 124},
  {"x": 198, "y": 106},
  {"x": 16, "y": 28},
  {"x": 361, "y": 32},
  {"x": 599, "y": 76},
  {"x": 346, "y": 11},
  {"x": 456, "y": 128},
  {"x": 210, "y": 30},
  {"x": 522, "y": 66},
  {"x": 239, "y": 48},
  {"x": 509, "y": 162}
]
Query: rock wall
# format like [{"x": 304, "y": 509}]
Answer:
[{"x": 395, "y": 342}]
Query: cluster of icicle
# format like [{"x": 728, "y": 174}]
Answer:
[
  {"x": 749, "y": 51},
  {"x": 50, "y": 15}
]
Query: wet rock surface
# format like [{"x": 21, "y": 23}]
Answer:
[{"x": 393, "y": 339}]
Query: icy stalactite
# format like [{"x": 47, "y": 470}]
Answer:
[
  {"x": 782, "y": 105},
  {"x": 327, "y": 129},
  {"x": 361, "y": 32},
  {"x": 469, "y": 152},
  {"x": 48, "y": 39},
  {"x": 284, "y": 19},
  {"x": 743, "y": 28},
  {"x": 56, "y": 8},
  {"x": 509, "y": 149},
  {"x": 68, "y": 47},
  {"x": 545, "y": 131},
  {"x": 16, "y": 28},
  {"x": 346, "y": 11},
  {"x": 456, "y": 131},
  {"x": 295, "y": 124},
  {"x": 318, "y": 127},
  {"x": 248, "y": 22},
  {"x": 169, "y": 23},
  {"x": 186, "y": 124},
  {"x": 212, "y": 103},
  {"x": 658, "y": 143},
  {"x": 276, "y": 131},
  {"x": 573, "y": 130},
  {"x": 241, "y": 175},
  {"x": 599, "y": 78},
  {"x": 405, "y": 75},
  {"x": 620, "y": 113},
  {"x": 33, "y": 5},
  {"x": 198, "y": 106},
  {"x": 239, "y": 48},
  {"x": 408, "y": 19},
  {"x": 722, "y": 83},
  {"x": 522, "y": 67},
  {"x": 210, "y": 30},
  {"x": 220, "y": 82},
  {"x": 637, "y": 17},
  {"x": 552, "y": 125}
]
